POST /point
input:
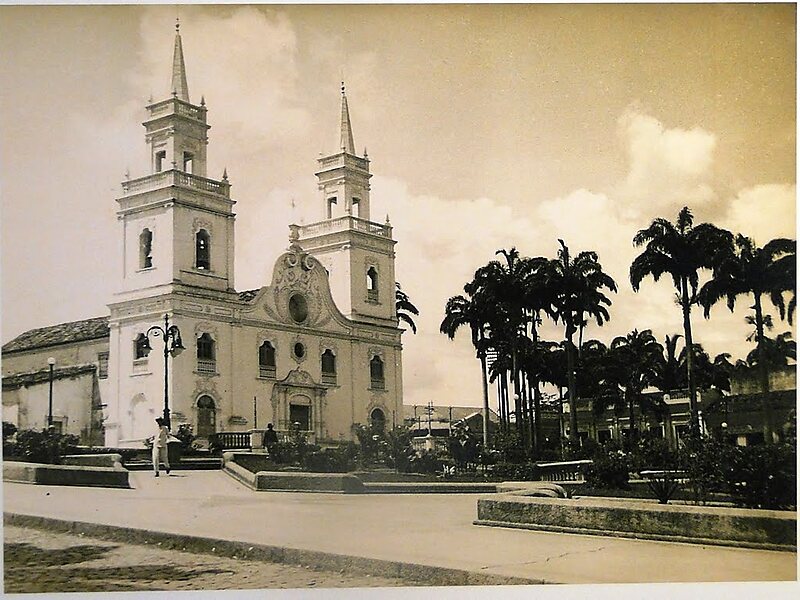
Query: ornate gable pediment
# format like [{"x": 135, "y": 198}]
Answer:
[
  {"x": 300, "y": 293},
  {"x": 298, "y": 378}
]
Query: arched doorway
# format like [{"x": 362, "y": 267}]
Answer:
[
  {"x": 377, "y": 419},
  {"x": 206, "y": 416},
  {"x": 300, "y": 412}
]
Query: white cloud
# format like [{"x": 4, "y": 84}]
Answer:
[
  {"x": 667, "y": 166},
  {"x": 764, "y": 212}
]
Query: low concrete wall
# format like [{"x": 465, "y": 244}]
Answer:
[
  {"x": 41, "y": 474},
  {"x": 768, "y": 529},
  {"x": 280, "y": 481},
  {"x": 112, "y": 461},
  {"x": 431, "y": 487}
]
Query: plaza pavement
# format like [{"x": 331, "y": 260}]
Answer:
[{"x": 428, "y": 529}]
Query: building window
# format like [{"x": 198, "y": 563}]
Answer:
[
  {"x": 372, "y": 284},
  {"x": 331, "y": 202},
  {"x": 299, "y": 350},
  {"x": 145, "y": 249},
  {"x": 206, "y": 356},
  {"x": 356, "y": 210},
  {"x": 266, "y": 360},
  {"x": 203, "y": 250},
  {"x": 141, "y": 347},
  {"x": 603, "y": 436},
  {"x": 298, "y": 308},
  {"x": 188, "y": 162},
  {"x": 328, "y": 361},
  {"x": 161, "y": 156},
  {"x": 377, "y": 419},
  {"x": 376, "y": 379},
  {"x": 102, "y": 365}
]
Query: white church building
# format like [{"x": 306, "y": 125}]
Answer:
[{"x": 318, "y": 345}]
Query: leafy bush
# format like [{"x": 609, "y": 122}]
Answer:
[
  {"x": 762, "y": 476},
  {"x": 427, "y": 463},
  {"x": 509, "y": 446},
  {"x": 46, "y": 446},
  {"x": 9, "y": 446},
  {"x": 525, "y": 471},
  {"x": 371, "y": 442},
  {"x": 463, "y": 447},
  {"x": 399, "y": 451},
  {"x": 609, "y": 469},
  {"x": 705, "y": 461},
  {"x": 653, "y": 453},
  {"x": 332, "y": 460},
  {"x": 186, "y": 435}
]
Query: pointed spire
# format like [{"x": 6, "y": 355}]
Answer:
[
  {"x": 225, "y": 174},
  {"x": 180, "y": 88},
  {"x": 346, "y": 140}
]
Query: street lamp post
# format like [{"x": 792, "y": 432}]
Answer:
[
  {"x": 51, "y": 363},
  {"x": 172, "y": 345}
]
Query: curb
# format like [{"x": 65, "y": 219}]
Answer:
[
  {"x": 426, "y": 575},
  {"x": 638, "y": 536}
]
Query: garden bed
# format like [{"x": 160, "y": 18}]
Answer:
[{"x": 749, "y": 528}]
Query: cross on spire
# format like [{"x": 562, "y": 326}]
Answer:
[
  {"x": 180, "y": 88},
  {"x": 346, "y": 139}
]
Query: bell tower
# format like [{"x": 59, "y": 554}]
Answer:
[
  {"x": 177, "y": 224},
  {"x": 358, "y": 253}
]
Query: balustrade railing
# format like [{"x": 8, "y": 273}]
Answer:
[
  {"x": 206, "y": 366},
  {"x": 177, "y": 178},
  {"x": 231, "y": 440},
  {"x": 572, "y": 470},
  {"x": 344, "y": 223},
  {"x": 329, "y": 378},
  {"x": 178, "y": 107},
  {"x": 266, "y": 372}
]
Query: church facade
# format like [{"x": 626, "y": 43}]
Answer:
[{"x": 317, "y": 348}]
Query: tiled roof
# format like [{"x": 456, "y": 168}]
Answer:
[
  {"x": 65, "y": 333},
  {"x": 20, "y": 379},
  {"x": 248, "y": 295}
]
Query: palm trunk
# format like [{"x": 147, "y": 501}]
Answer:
[
  {"x": 631, "y": 422},
  {"x": 573, "y": 404},
  {"x": 763, "y": 373},
  {"x": 687, "y": 332},
  {"x": 537, "y": 421},
  {"x": 485, "y": 382}
]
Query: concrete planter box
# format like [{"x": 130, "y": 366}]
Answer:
[
  {"x": 768, "y": 529},
  {"x": 41, "y": 474},
  {"x": 282, "y": 481},
  {"x": 112, "y": 461}
]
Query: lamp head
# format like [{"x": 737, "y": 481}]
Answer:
[
  {"x": 177, "y": 342},
  {"x": 51, "y": 361}
]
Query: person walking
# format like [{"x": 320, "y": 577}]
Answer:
[{"x": 160, "y": 446}]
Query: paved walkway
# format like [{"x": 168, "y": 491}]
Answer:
[{"x": 430, "y": 529}]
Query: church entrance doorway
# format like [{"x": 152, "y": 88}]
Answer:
[
  {"x": 300, "y": 414},
  {"x": 206, "y": 417}
]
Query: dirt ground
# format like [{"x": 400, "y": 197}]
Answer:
[{"x": 39, "y": 561}]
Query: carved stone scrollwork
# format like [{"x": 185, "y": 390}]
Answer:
[{"x": 200, "y": 223}]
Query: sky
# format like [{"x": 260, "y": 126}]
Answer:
[{"x": 487, "y": 127}]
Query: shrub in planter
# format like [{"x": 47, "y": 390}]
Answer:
[
  {"x": 185, "y": 434},
  {"x": 427, "y": 463},
  {"x": 705, "y": 461},
  {"x": 9, "y": 446},
  {"x": 762, "y": 476},
  {"x": 609, "y": 469},
  {"x": 399, "y": 451},
  {"x": 46, "y": 446},
  {"x": 332, "y": 460}
]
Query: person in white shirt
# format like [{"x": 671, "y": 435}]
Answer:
[{"x": 160, "y": 446}]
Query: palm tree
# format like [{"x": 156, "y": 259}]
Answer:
[
  {"x": 576, "y": 286},
  {"x": 404, "y": 307},
  {"x": 745, "y": 269},
  {"x": 461, "y": 311},
  {"x": 634, "y": 358},
  {"x": 670, "y": 370},
  {"x": 507, "y": 286},
  {"x": 680, "y": 250}
]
